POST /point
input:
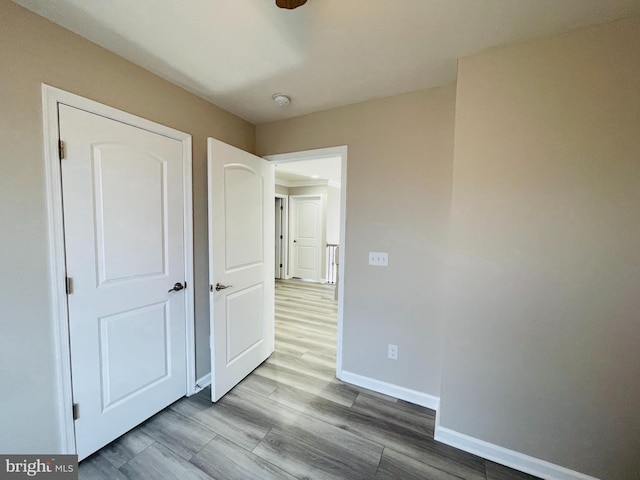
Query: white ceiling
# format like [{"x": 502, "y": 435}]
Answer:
[
  {"x": 327, "y": 53},
  {"x": 308, "y": 172}
]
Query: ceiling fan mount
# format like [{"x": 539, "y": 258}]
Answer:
[{"x": 290, "y": 4}]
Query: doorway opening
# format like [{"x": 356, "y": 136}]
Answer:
[{"x": 319, "y": 179}]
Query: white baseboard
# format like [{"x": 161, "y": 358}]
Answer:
[
  {"x": 486, "y": 450},
  {"x": 413, "y": 396},
  {"x": 504, "y": 456},
  {"x": 202, "y": 383}
]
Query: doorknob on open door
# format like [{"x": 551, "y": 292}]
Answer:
[
  {"x": 178, "y": 286},
  {"x": 220, "y": 286}
]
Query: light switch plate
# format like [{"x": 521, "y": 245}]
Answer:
[
  {"x": 379, "y": 259},
  {"x": 392, "y": 352}
]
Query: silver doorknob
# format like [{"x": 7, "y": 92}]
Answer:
[
  {"x": 178, "y": 286},
  {"x": 220, "y": 286}
]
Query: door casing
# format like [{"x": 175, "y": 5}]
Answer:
[{"x": 51, "y": 97}]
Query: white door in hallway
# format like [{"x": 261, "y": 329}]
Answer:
[
  {"x": 241, "y": 264},
  {"x": 305, "y": 244},
  {"x": 124, "y": 238}
]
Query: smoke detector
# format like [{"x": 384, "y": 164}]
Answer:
[{"x": 281, "y": 99}]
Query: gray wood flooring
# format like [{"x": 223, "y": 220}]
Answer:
[{"x": 291, "y": 419}]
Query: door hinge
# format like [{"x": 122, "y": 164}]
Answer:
[
  {"x": 61, "y": 149},
  {"x": 280, "y": 265},
  {"x": 69, "y": 285},
  {"x": 281, "y": 207},
  {"x": 76, "y": 411},
  {"x": 280, "y": 237}
]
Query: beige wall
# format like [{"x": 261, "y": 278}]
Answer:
[
  {"x": 32, "y": 51},
  {"x": 398, "y": 201},
  {"x": 282, "y": 190},
  {"x": 333, "y": 214},
  {"x": 544, "y": 315}
]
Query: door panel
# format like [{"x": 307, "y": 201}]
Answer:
[
  {"x": 124, "y": 240},
  {"x": 121, "y": 256},
  {"x": 307, "y": 259},
  {"x": 245, "y": 317},
  {"x": 241, "y": 256},
  {"x": 243, "y": 217},
  {"x": 306, "y": 236},
  {"x": 128, "y": 366}
]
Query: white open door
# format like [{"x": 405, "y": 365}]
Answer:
[{"x": 241, "y": 264}]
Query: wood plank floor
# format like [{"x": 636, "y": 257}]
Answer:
[{"x": 291, "y": 418}]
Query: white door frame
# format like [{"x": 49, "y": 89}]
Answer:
[
  {"x": 51, "y": 97},
  {"x": 322, "y": 153},
  {"x": 285, "y": 234}
]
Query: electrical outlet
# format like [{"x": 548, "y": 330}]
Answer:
[
  {"x": 379, "y": 259},
  {"x": 392, "y": 352}
]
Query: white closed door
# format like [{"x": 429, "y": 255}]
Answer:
[
  {"x": 305, "y": 225},
  {"x": 241, "y": 264},
  {"x": 124, "y": 239}
]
